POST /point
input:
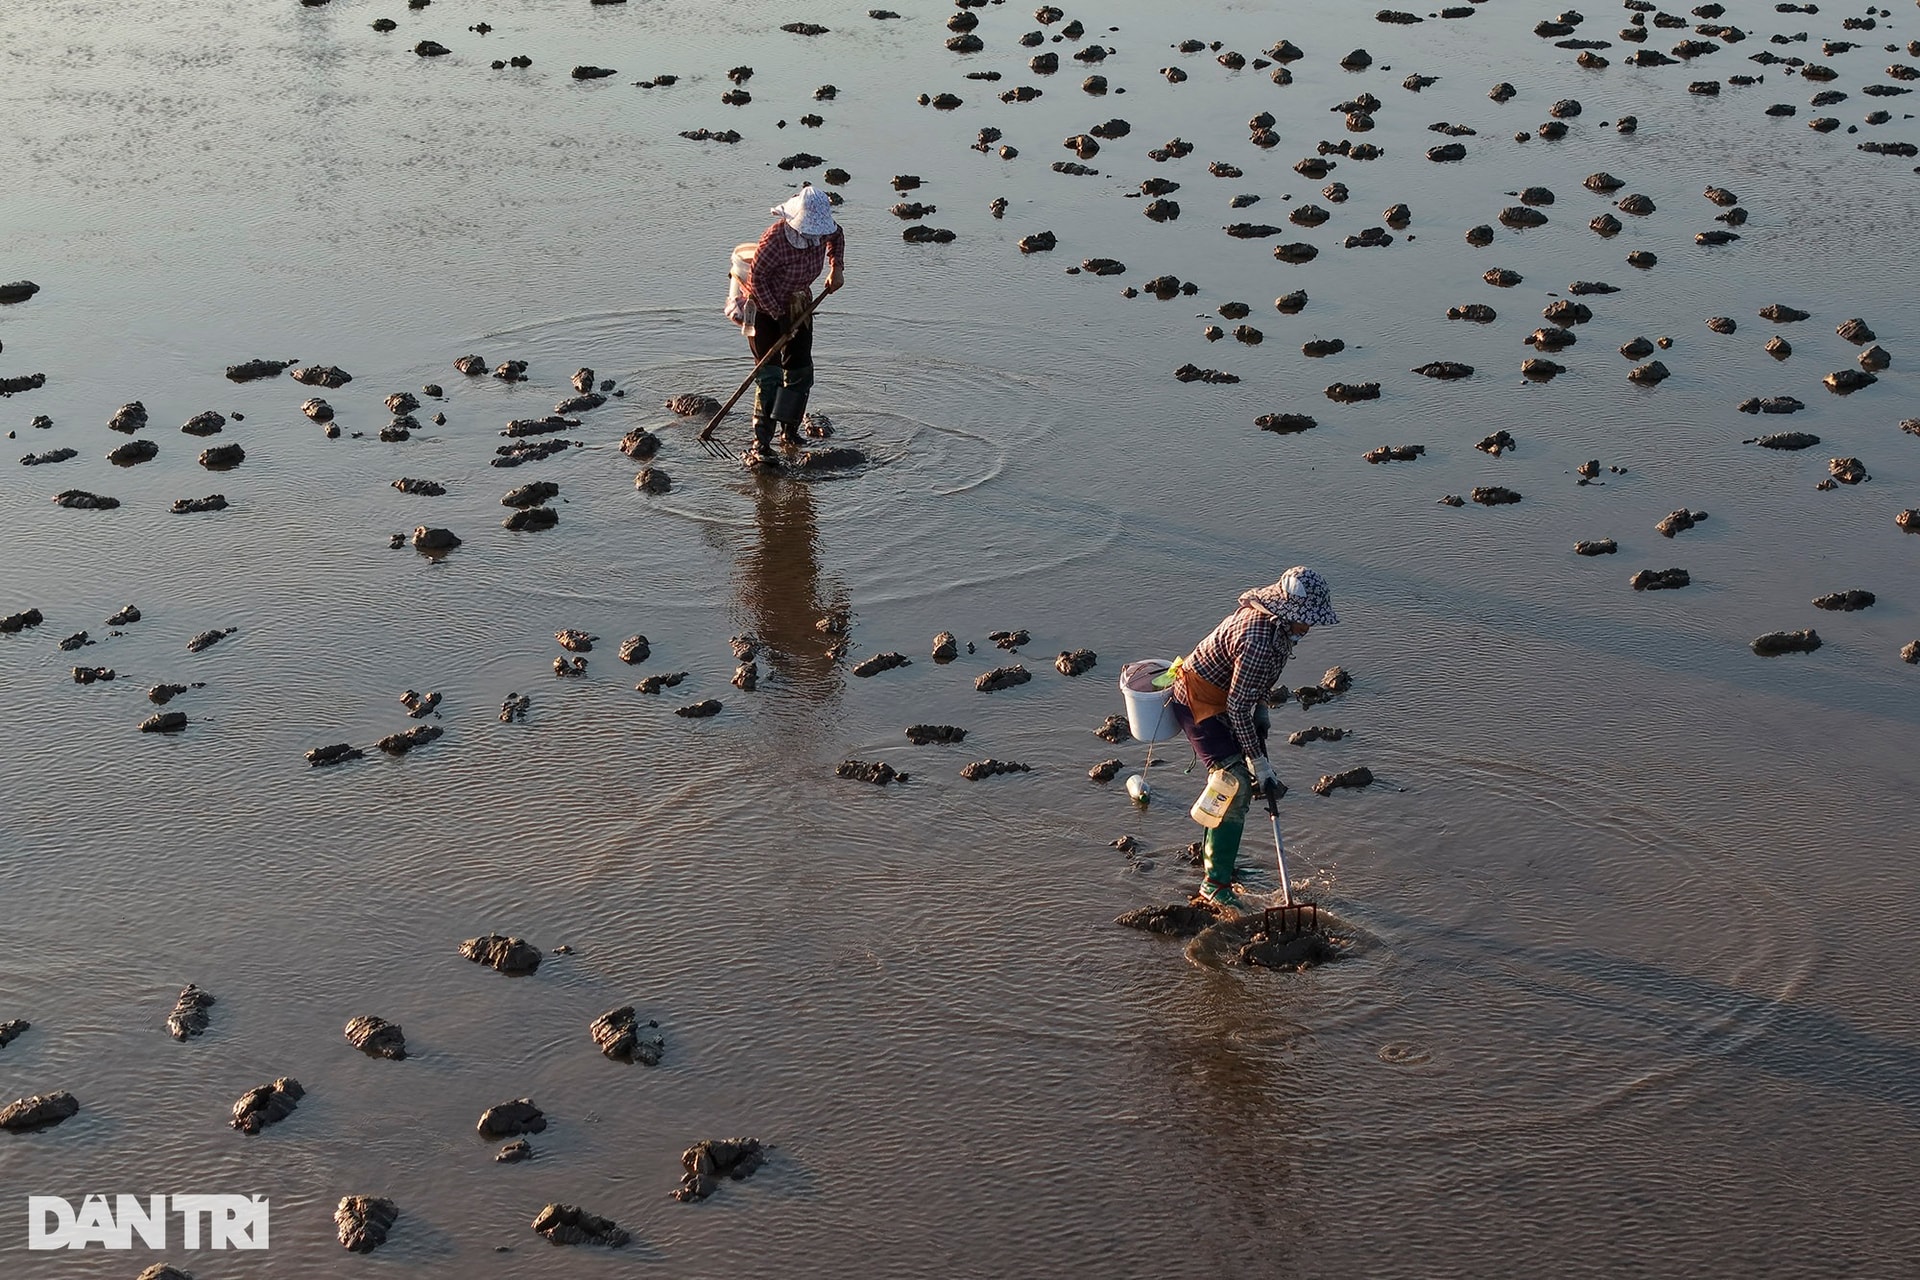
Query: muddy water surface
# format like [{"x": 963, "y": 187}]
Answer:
[{"x": 1639, "y": 902}]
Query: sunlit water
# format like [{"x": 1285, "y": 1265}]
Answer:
[{"x": 1637, "y": 995}]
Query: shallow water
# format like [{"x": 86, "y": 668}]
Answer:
[{"x": 1639, "y": 902}]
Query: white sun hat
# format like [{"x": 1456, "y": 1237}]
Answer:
[{"x": 809, "y": 212}]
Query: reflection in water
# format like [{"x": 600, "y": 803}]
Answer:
[{"x": 778, "y": 581}]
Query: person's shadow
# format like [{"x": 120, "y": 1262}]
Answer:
[{"x": 782, "y": 597}]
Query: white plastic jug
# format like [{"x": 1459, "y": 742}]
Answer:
[{"x": 1213, "y": 803}]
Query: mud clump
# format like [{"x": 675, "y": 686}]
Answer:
[
  {"x": 640, "y": 444},
  {"x": 1355, "y": 778},
  {"x": 509, "y": 1119},
  {"x": 1175, "y": 920},
  {"x": 189, "y": 1016},
  {"x": 693, "y": 405},
  {"x": 1844, "y": 601},
  {"x": 1395, "y": 453},
  {"x": 363, "y": 1222},
  {"x": 700, "y": 710},
  {"x": 164, "y": 722},
  {"x": 1267, "y": 947},
  {"x": 1002, "y": 678},
  {"x": 377, "y": 1038},
  {"x": 881, "y": 662},
  {"x": 1777, "y": 642},
  {"x": 11, "y": 1031},
  {"x": 514, "y": 956},
  {"x": 1352, "y": 392},
  {"x": 1315, "y": 733},
  {"x": 268, "y": 1104},
  {"x": 337, "y": 753},
  {"x": 1785, "y": 440},
  {"x": 1847, "y": 470},
  {"x": 1494, "y": 495},
  {"x": 975, "y": 770},
  {"x": 1771, "y": 404},
  {"x": 707, "y": 1162},
  {"x": 531, "y": 495},
  {"x": 875, "y": 771},
  {"x": 133, "y": 453},
  {"x": 1678, "y": 522},
  {"x": 1660, "y": 579},
  {"x": 1105, "y": 770},
  {"x": 655, "y": 683},
  {"x": 620, "y": 1036},
  {"x": 922, "y": 734},
  {"x": 1075, "y": 662},
  {"x": 1596, "y": 547},
  {"x": 40, "y": 1111},
  {"x": 222, "y": 457},
  {"x": 398, "y": 744},
  {"x": 565, "y": 1224},
  {"x": 322, "y": 375},
  {"x": 1650, "y": 374}
]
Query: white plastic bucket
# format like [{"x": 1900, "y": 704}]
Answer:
[{"x": 1149, "y": 710}]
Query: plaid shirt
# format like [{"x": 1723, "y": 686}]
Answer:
[
  {"x": 1244, "y": 655},
  {"x": 779, "y": 270}
]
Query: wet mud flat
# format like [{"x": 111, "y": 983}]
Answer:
[{"x": 1507, "y": 291}]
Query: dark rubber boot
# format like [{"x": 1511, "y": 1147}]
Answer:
[
  {"x": 789, "y": 408},
  {"x": 761, "y": 456}
]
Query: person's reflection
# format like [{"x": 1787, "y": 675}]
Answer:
[{"x": 780, "y": 589}]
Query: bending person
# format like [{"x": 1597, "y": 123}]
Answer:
[
  {"x": 1220, "y": 700},
  {"x": 785, "y": 264}
]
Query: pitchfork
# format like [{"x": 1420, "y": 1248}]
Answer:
[{"x": 1290, "y": 918}]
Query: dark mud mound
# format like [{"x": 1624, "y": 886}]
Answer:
[
  {"x": 1175, "y": 920},
  {"x": 706, "y": 1163},
  {"x": 269, "y": 1104},
  {"x": 565, "y": 1224},
  {"x": 189, "y": 1016},
  {"x": 363, "y": 1222},
  {"x": 377, "y": 1038},
  {"x": 1251, "y": 942},
  {"x": 508, "y": 955},
  {"x": 622, "y": 1037},
  {"x": 41, "y": 1111}
]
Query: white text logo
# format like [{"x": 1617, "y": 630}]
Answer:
[{"x": 209, "y": 1222}]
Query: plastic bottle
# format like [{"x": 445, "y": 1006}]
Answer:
[{"x": 1213, "y": 803}]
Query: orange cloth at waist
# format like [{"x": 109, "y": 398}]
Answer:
[{"x": 1202, "y": 696}]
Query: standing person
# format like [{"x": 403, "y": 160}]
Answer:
[
  {"x": 785, "y": 264},
  {"x": 1220, "y": 700}
]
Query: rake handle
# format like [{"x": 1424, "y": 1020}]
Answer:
[
  {"x": 706, "y": 432},
  {"x": 1279, "y": 850}
]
